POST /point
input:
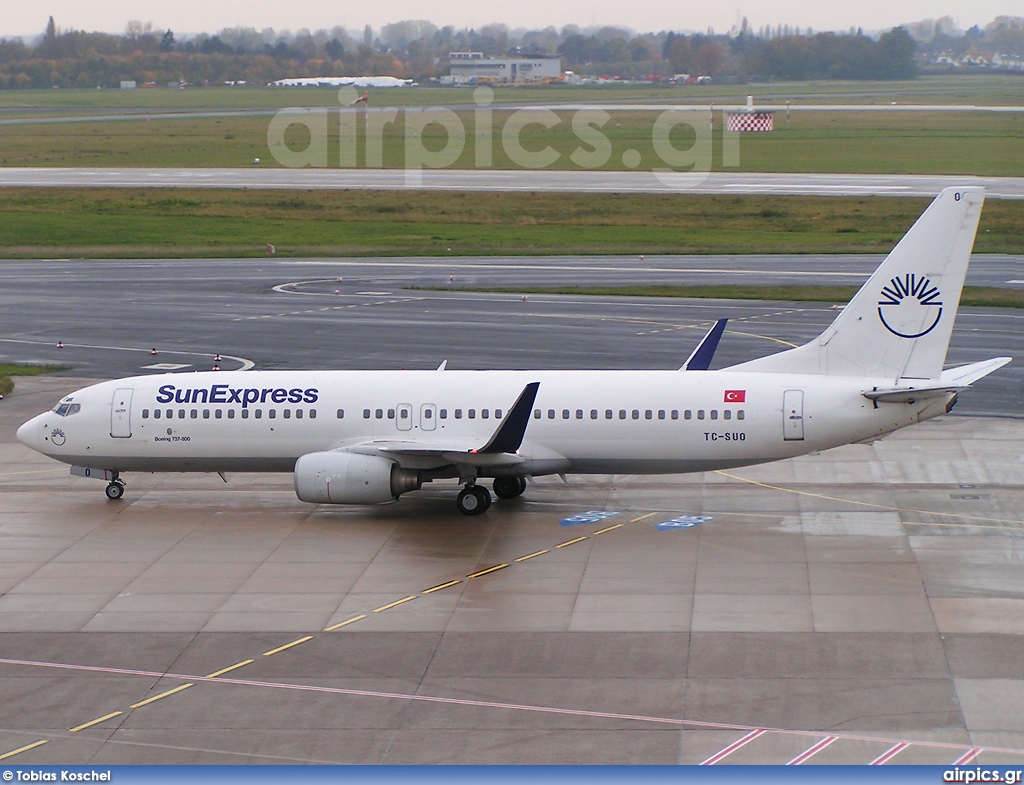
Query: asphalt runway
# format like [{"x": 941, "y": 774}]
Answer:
[
  {"x": 48, "y": 115},
  {"x": 536, "y": 180},
  {"x": 110, "y": 315},
  {"x": 862, "y": 605}
]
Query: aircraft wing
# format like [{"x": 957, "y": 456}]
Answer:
[
  {"x": 953, "y": 380},
  {"x": 499, "y": 449},
  {"x": 700, "y": 358}
]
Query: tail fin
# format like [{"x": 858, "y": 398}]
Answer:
[{"x": 899, "y": 324}]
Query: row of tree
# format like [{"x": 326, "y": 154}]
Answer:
[
  {"x": 419, "y": 50},
  {"x": 1004, "y": 35}
]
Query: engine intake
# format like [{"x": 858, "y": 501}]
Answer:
[{"x": 351, "y": 478}]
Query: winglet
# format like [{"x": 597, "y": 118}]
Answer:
[
  {"x": 509, "y": 435},
  {"x": 700, "y": 359}
]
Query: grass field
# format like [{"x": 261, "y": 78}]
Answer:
[
  {"x": 995, "y": 89},
  {"x": 849, "y": 142},
  {"x": 972, "y": 295},
  {"x": 10, "y": 370},
  {"x": 159, "y": 223}
]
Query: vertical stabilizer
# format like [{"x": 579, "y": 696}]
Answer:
[{"x": 899, "y": 324}]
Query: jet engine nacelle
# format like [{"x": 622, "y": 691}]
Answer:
[{"x": 351, "y": 478}]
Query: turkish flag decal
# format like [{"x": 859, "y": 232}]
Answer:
[{"x": 735, "y": 396}]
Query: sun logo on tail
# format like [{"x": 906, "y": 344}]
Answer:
[{"x": 910, "y": 306}]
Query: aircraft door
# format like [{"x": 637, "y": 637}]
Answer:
[
  {"x": 428, "y": 417},
  {"x": 121, "y": 413},
  {"x": 403, "y": 417},
  {"x": 793, "y": 415}
]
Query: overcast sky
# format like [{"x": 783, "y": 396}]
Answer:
[{"x": 184, "y": 16}]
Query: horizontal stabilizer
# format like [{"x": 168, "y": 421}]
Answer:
[
  {"x": 969, "y": 374},
  {"x": 700, "y": 359},
  {"x": 952, "y": 381}
]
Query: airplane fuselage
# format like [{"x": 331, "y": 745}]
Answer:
[{"x": 581, "y": 422}]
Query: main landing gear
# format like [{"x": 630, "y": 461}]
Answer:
[
  {"x": 473, "y": 500},
  {"x": 116, "y": 488},
  {"x": 509, "y": 487},
  {"x": 476, "y": 499}
]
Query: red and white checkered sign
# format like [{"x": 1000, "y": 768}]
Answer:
[{"x": 750, "y": 121}]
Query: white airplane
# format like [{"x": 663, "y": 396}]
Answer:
[{"x": 365, "y": 437}]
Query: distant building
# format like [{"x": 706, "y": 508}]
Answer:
[
  {"x": 473, "y": 67},
  {"x": 128, "y": 85}
]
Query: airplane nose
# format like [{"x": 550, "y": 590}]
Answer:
[{"x": 28, "y": 434}]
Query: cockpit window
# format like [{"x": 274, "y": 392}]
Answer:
[{"x": 67, "y": 409}]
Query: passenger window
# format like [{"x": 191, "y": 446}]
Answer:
[
  {"x": 458, "y": 414},
  {"x": 427, "y": 414},
  {"x": 403, "y": 414},
  {"x": 366, "y": 414},
  {"x": 636, "y": 414},
  {"x": 675, "y": 414},
  {"x": 231, "y": 414},
  {"x": 194, "y": 414},
  {"x": 727, "y": 414},
  {"x": 218, "y": 413},
  {"x": 593, "y": 414},
  {"x": 145, "y": 414},
  {"x": 379, "y": 414},
  {"x": 245, "y": 414},
  {"x": 391, "y": 414},
  {"x": 551, "y": 414},
  {"x": 287, "y": 413},
  {"x": 565, "y": 414},
  {"x": 181, "y": 414},
  {"x": 740, "y": 415},
  {"x": 312, "y": 414},
  {"x": 271, "y": 413},
  {"x": 259, "y": 414},
  {"x": 700, "y": 414},
  {"x": 206, "y": 414},
  {"x": 648, "y": 414},
  {"x": 579, "y": 414},
  {"x": 497, "y": 414},
  {"x": 714, "y": 414},
  {"x": 471, "y": 414},
  {"x": 156, "y": 414},
  {"x": 608, "y": 414},
  {"x": 298, "y": 414},
  {"x": 537, "y": 414},
  {"x": 688, "y": 415},
  {"x": 661, "y": 414},
  {"x": 341, "y": 414},
  {"x": 622, "y": 414},
  {"x": 485, "y": 413},
  {"x": 443, "y": 414}
]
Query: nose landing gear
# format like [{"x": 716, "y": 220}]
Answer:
[{"x": 115, "y": 490}]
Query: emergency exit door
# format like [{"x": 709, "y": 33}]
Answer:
[{"x": 793, "y": 415}]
